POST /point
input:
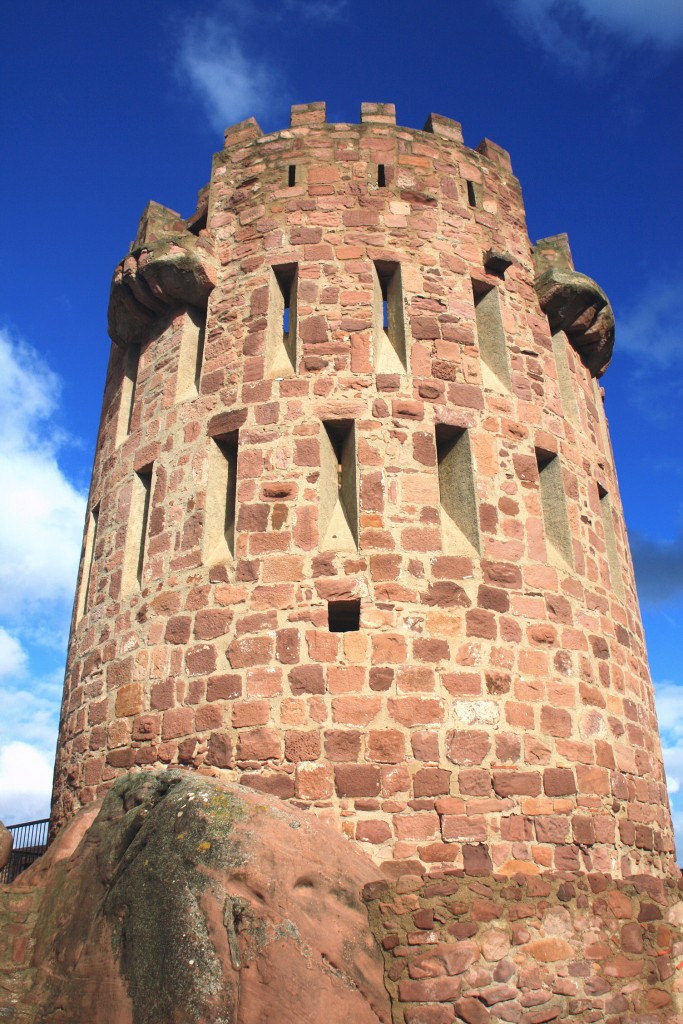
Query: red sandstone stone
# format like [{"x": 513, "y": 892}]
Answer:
[
  {"x": 471, "y": 1011},
  {"x": 302, "y": 746},
  {"x": 429, "y": 990},
  {"x": 211, "y": 623},
  {"x": 386, "y": 745},
  {"x": 468, "y": 747},
  {"x": 514, "y": 782},
  {"x": 129, "y": 700},
  {"x": 356, "y": 780},
  {"x": 223, "y": 687}
]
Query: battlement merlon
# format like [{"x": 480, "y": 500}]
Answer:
[{"x": 307, "y": 116}]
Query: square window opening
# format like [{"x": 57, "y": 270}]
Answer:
[{"x": 343, "y": 616}]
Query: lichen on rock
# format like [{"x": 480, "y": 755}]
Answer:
[{"x": 191, "y": 901}]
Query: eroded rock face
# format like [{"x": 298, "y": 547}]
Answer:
[
  {"x": 574, "y": 303},
  {"x": 168, "y": 267},
  {"x": 187, "y": 901},
  {"x": 5, "y": 845}
]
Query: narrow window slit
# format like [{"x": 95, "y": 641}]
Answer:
[
  {"x": 343, "y": 616},
  {"x": 190, "y": 354},
  {"x": 381, "y": 176},
  {"x": 457, "y": 494},
  {"x": 560, "y": 344},
  {"x": 291, "y": 179},
  {"x": 145, "y": 478},
  {"x": 388, "y": 318},
  {"x": 200, "y": 355},
  {"x": 128, "y": 388},
  {"x": 610, "y": 542},
  {"x": 490, "y": 335},
  {"x": 281, "y": 329},
  {"x": 471, "y": 194},
  {"x": 554, "y": 505},
  {"x": 84, "y": 598},
  {"x": 94, "y": 520},
  {"x": 338, "y": 487},
  {"x": 136, "y": 535},
  {"x": 221, "y": 500}
]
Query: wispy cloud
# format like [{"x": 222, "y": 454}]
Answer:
[
  {"x": 649, "y": 337},
  {"x": 12, "y": 655},
  {"x": 41, "y": 521},
  {"x": 25, "y": 783},
  {"x": 652, "y": 327},
  {"x": 574, "y": 31},
  {"x": 41, "y": 513},
  {"x": 658, "y": 566},
  {"x": 235, "y": 69},
  {"x": 230, "y": 83}
]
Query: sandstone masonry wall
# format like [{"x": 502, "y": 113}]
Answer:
[
  {"x": 485, "y": 949},
  {"x": 432, "y": 478}
]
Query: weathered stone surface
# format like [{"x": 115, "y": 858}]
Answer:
[
  {"x": 167, "y": 268},
  {"x": 5, "y": 845},
  {"x": 530, "y": 955},
  {"x": 576, "y": 305},
  {"x": 185, "y": 900}
]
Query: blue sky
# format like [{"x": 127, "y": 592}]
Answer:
[{"x": 107, "y": 106}]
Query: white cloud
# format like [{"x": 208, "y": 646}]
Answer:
[
  {"x": 30, "y": 711},
  {"x": 234, "y": 67},
  {"x": 659, "y": 21},
  {"x": 653, "y": 326},
  {"x": 12, "y": 655},
  {"x": 41, "y": 513},
  {"x": 231, "y": 83},
  {"x": 41, "y": 522},
  {"x": 574, "y": 31},
  {"x": 25, "y": 783}
]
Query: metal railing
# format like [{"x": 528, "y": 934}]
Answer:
[{"x": 30, "y": 841}]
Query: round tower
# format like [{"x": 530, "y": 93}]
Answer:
[{"x": 354, "y": 535}]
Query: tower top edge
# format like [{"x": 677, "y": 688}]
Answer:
[{"x": 309, "y": 117}]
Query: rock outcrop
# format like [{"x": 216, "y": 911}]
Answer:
[
  {"x": 168, "y": 267},
  {"x": 574, "y": 303},
  {"x": 185, "y": 900},
  {"x": 5, "y": 845}
]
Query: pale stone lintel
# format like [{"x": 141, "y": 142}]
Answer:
[
  {"x": 444, "y": 127},
  {"x": 302, "y": 115},
  {"x": 377, "y": 113},
  {"x": 245, "y": 131}
]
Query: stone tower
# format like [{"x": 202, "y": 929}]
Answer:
[{"x": 354, "y": 535}]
